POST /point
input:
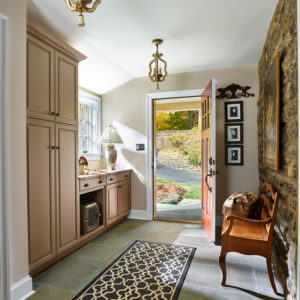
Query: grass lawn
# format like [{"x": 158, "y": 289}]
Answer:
[{"x": 194, "y": 191}]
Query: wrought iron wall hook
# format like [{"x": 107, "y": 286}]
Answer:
[{"x": 234, "y": 91}]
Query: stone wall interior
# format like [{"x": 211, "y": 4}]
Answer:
[{"x": 282, "y": 37}]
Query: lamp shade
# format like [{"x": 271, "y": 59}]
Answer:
[{"x": 110, "y": 135}]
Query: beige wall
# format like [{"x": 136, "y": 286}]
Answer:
[
  {"x": 125, "y": 107},
  {"x": 16, "y": 12}
]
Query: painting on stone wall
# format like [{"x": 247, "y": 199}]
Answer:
[{"x": 271, "y": 107}]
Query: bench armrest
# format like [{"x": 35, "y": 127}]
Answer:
[{"x": 231, "y": 218}]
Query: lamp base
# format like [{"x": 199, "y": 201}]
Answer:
[{"x": 111, "y": 157}]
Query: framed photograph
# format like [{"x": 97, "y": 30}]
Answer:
[
  {"x": 234, "y": 133},
  {"x": 234, "y": 111},
  {"x": 271, "y": 107},
  {"x": 234, "y": 155}
]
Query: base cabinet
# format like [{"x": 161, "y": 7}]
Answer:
[{"x": 117, "y": 201}]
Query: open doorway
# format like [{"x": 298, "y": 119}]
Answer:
[{"x": 177, "y": 159}]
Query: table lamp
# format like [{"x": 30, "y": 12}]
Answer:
[{"x": 110, "y": 136}]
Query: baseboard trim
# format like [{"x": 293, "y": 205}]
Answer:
[
  {"x": 22, "y": 289},
  {"x": 138, "y": 214}
]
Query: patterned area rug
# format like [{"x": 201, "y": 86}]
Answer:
[{"x": 146, "y": 270}]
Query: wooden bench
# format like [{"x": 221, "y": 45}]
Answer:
[{"x": 251, "y": 237}]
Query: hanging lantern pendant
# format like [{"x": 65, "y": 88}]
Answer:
[{"x": 155, "y": 71}]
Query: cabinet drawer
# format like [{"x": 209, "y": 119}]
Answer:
[
  {"x": 91, "y": 183},
  {"x": 112, "y": 178}
]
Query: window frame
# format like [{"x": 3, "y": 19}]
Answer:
[{"x": 90, "y": 96}]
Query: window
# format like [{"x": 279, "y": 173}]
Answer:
[{"x": 89, "y": 125}]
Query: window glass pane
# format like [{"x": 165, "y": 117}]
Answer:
[{"x": 89, "y": 124}]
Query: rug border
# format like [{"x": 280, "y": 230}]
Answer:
[{"x": 178, "y": 287}]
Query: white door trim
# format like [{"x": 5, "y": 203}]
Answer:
[
  {"x": 4, "y": 205},
  {"x": 150, "y": 98}
]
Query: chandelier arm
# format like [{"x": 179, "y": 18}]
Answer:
[
  {"x": 93, "y": 8},
  {"x": 150, "y": 70},
  {"x": 165, "y": 68},
  {"x": 72, "y": 8}
]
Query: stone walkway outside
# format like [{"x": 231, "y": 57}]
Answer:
[{"x": 186, "y": 209}]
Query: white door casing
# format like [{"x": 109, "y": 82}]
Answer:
[
  {"x": 150, "y": 159},
  {"x": 4, "y": 205}
]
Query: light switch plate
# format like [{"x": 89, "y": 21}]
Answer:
[{"x": 140, "y": 147}]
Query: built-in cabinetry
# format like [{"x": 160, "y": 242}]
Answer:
[
  {"x": 117, "y": 202},
  {"x": 52, "y": 142},
  {"x": 54, "y": 191}
]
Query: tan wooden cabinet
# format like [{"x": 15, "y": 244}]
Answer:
[
  {"x": 66, "y": 90},
  {"x": 52, "y": 84},
  {"x": 41, "y": 191},
  {"x": 52, "y": 142},
  {"x": 67, "y": 202},
  {"x": 40, "y": 79},
  {"x": 118, "y": 200}
]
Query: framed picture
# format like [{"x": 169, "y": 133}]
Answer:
[
  {"x": 234, "y": 133},
  {"x": 234, "y": 111},
  {"x": 271, "y": 107},
  {"x": 234, "y": 155}
]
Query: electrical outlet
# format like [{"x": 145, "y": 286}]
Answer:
[{"x": 140, "y": 147}]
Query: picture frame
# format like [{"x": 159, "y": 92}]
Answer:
[
  {"x": 271, "y": 115},
  {"x": 234, "y": 133},
  {"x": 234, "y": 155},
  {"x": 234, "y": 111}
]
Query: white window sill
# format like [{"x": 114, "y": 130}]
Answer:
[{"x": 91, "y": 156}]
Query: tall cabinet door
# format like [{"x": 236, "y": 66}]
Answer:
[
  {"x": 66, "y": 186},
  {"x": 66, "y": 90},
  {"x": 40, "y": 80},
  {"x": 41, "y": 191},
  {"x": 112, "y": 213},
  {"x": 124, "y": 199}
]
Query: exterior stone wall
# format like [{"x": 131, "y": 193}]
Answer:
[
  {"x": 177, "y": 162},
  {"x": 282, "y": 37}
]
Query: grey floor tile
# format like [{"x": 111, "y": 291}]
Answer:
[{"x": 247, "y": 276}]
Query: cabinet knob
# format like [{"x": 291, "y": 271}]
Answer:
[
  {"x": 53, "y": 147},
  {"x": 126, "y": 175},
  {"x": 100, "y": 181},
  {"x": 110, "y": 179},
  {"x": 86, "y": 185},
  {"x": 57, "y": 114},
  {"x": 52, "y": 113},
  {"x": 57, "y": 147}
]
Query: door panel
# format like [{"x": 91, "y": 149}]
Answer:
[
  {"x": 66, "y": 174},
  {"x": 124, "y": 204},
  {"x": 112, "y": 203},
  {"x": 66, "y": 102},
  {"x": 41, "y": 193},
  {"x": 40, "y": 79},
  {"x": 208, "y": 119}
]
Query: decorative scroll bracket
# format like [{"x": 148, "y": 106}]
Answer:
[{"x": 234, "y": 91}]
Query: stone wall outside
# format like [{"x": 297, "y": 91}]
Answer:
[
  {"x": 162, "y": 137},
  {"x": 282, "y": 37}
]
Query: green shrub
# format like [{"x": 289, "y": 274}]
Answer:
[
  {"x": 177, "y": 139},
  {"x": 194, "y": 153}
]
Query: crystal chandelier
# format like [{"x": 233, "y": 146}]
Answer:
[
  {"x": 156, "y": 65},
  {"x": 81, "y": 6}
]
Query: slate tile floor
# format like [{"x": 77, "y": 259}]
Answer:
[{"x": 247, "y": 276}]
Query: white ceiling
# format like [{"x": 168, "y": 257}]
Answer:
[{"x": 197, "y": 34}]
